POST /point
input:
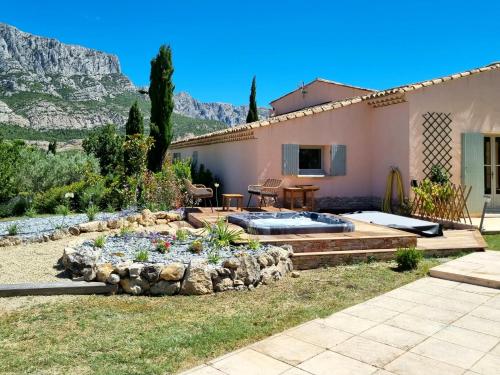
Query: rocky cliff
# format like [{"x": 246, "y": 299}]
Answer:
[{"x": 46, "y": 84}]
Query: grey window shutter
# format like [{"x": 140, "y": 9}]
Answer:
[
  {"x": 338, "y": 162},
  {"x": 473, "y": 169},
  {"x": 290, "y": 156}
]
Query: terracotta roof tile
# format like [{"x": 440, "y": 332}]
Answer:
[{"x": 338, "y": 104}]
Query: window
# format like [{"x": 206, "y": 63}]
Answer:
[
  {"x": 310, "y": 160},
  {"x": 176, "y": 156}
]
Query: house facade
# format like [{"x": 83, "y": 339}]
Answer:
[{"x": 346, "y": 139}]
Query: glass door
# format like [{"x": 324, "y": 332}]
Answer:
[{"x": 492, "y": 169}]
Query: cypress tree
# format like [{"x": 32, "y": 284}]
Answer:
[
  {"x": 252, "y": 108},
  {"x": 161, "y": 93},
  {"x": 135, "y": 122}
]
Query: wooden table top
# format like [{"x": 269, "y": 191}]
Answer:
[
  {"x": 292, "y": 189},
  {"x": 233, "y": 195}
]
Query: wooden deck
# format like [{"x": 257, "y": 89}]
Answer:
[{"x": 367, "y": 241}]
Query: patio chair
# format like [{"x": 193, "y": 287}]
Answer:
[
  {"x": 269, "y": 189},
  {"x": 199, "y": 191}
]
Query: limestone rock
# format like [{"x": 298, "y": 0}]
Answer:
[
  {"x": 198, "y": 279},
  {"x": 151, "y": 273},
  {"x": 113, "y": 279},
  {"x": 238, "y": 283},
  {"x": 223, "y": 284},
  {"x": 173, "y": 216},
  {"x": 103, "y": 271},
  {"x": 135, "y": 269},
  {"x": 58, "y": 234},
  {"x": 231, "y": 263},
  {"x": 122, "y": 268},
  {"x": 173, "y": 272},
  {"x": 165, "y": 288},
  {"x": 89, "y": 274},
  {"x": 278, "y": 254},
  {"x": 135, "y": 286},
  {"x": 295, "y": 274},
  {"x": 115, "y": 223},
  {"x": 74, "y": 231},
  {"x": 161, "y": 215},
  {"x": 93, "y": 226},
  {"x": 270, "y": 274},
  {"x": 249, "y": 270},
  {"x": 161, "y": 221},
  {"x": 265, "y": 260}
]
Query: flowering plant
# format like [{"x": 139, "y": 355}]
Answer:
[{"x": 162, "y": 246}]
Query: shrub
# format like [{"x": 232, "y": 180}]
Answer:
[
  {"x": 196, "y": 247},
  {"x": 30, "y": 212},
  {"x": 161, "y": 190},
  {"x": 181, "y": 234},
  {"x": 125, "y": 230},
  {"x": 253, "y": 244},
  {"x": 439, "y": 175},
  {"x": 107, "y": 146},
  {"x": 135, "y": 152},
  {"x": 12, "y": 229},
  {"x": 408, "y": 258},
  {"x": 220, "y": 233},
  {"x": 100, "y": 241},
  {"x": 91, "y": 212},
  {"x": 213, "y": 256},
  {"x": 62, "y": 209},
  {"x": 142, "y": 256}
]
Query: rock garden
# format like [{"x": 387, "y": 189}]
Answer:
[{"x": 180, "y": 262}]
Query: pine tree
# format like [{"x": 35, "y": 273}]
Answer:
[
  {"x": 135, "y": 122},
  {"x": 252, "y": 109},
  {"x": 161, "y": 93}
]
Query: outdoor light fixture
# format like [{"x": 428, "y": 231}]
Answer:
[{"x": 216, "y": 184}]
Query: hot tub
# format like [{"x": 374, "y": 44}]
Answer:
[{"x": 290, "y": 223}]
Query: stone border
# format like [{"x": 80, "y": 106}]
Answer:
[
  {"x": 241, "y": 272},
  {"x": 135, "y": 221}
]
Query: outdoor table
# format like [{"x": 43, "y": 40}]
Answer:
[
  {"x": 294, "y": 192},
  {"x": 226, "y": 201},
  {"x": 308, "y": 189}
]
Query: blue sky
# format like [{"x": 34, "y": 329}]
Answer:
[{"x": 219, "y": 45}]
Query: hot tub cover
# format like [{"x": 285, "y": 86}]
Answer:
[{"x": 408, "y": 224}]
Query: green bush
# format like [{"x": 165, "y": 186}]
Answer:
[
  {"x": 408, "y": 258},
  {"x": 12, "y": 229},
  {"x": 107, "y": 146}
]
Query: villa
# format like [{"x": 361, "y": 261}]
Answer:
[{"x": 345, "y": 139}]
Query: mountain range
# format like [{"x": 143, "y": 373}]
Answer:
[{"x": 48, "y": 85}]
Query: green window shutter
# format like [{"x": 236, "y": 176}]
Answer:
[
  {"x": 290, "y": 160},
  {"x": 473, "y": 169},
  {"x": 338, "y": 164}
]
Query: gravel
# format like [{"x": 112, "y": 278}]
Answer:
[
  {"x": 120, "y": 248},
  {"x": 34, "y": 227}
]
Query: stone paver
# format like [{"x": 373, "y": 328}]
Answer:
[
  {"x": 467, "y": 338},
  {"x": 329, "y": 363},
  {"x": 414, "y": 364},
  {"x": 368, "y": 351},
  {"x": 428, "y": 327},
  {"x": 447, "y": 352},
  {"x": 319, "y": 334},
  {"x": 287, "y": 349},
  {"x": 250, "y": 362}
]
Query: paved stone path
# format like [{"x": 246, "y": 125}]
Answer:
[{"x": 428, "y": 327}]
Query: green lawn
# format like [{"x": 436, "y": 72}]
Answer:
[
  {"x": 493, "y": 241},
  {"x": 144, "y": 335}
]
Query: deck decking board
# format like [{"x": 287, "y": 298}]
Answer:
[{"x": 368, "y": 240}]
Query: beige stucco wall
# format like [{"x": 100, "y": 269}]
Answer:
[
  {"x": 318, "y": 92},
  {"x": 389, "y": 145},
  {"x": 376, "y": 139},
  {"x": 474, "y": 104}
]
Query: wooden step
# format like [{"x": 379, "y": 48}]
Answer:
[
  {"x": 57, "y": 288},
  {"x": 311, "y": 260}
]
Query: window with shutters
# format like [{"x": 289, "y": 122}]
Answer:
[{"x": 311, "y": 160}]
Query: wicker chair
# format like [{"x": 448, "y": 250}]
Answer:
[
  {"x": 269, "y": 189},
  {"x": 199, "y": 191}
]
